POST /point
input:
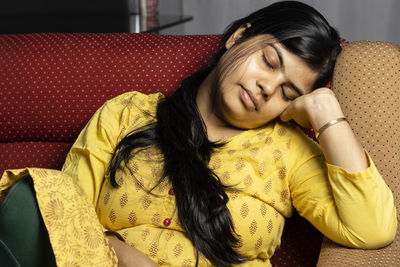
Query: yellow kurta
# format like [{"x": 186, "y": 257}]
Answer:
[{"x": 275, "y": 167}]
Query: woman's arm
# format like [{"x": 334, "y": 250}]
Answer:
[
  {"x": 341, "y": 193},
  {"x": 129, "y": 256},
  {"x": 338, "y": 142},
  {"x": 89, "y": 157},
  {"x": 352, "y": 209}
]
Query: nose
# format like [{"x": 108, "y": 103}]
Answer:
[{"x": 269, "y": 86}]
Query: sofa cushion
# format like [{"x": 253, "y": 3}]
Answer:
[
  {"x": 367, "y": 84},
  {"x": 33, "y": 154},
  {"x": 51, "y": 84}
]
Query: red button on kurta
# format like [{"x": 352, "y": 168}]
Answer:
[
  {"x": 167, "y": 221},
  {"x": 171, "y": 191}
]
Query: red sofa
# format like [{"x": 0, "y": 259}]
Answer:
[{"x": 51, "y": 84}]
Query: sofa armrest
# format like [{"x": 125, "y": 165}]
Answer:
[{"x": 367, "y": 83}]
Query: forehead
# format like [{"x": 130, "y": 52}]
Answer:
[{"x": 298, "y": 72}]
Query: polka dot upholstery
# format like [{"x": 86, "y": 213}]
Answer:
[
  {"x": 52, "y": 83},
  {"x": 33, "y": 154},
  {"x": 367, "y": 84}
]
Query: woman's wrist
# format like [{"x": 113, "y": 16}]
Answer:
[
  {"x": 326, "y": 110},
  {"x": 115, "y": 234},
  {"x": 128, "y": 255},
  {"x": 329, "y": 124}
]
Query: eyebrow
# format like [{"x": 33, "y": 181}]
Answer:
[{"x": 282, "y": 66}]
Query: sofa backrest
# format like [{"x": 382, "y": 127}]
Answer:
[
  {"x": 51, "y": 84},
  {"x": 366, "y": 82}
]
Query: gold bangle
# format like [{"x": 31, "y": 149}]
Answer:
[{"x": 327, "y": 125}]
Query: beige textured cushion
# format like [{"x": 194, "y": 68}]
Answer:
[{"x": 367, "y": 84}]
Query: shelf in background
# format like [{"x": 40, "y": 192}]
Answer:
[{"x": 150, "y": 25}]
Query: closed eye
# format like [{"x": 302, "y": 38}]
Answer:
[
  {"x": 288, "y": 94},
  {"x": 284, "y": 96},
  {"x": 264, "y": 58}
]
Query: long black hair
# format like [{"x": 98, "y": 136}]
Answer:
[{"x": 180, "y": 134}]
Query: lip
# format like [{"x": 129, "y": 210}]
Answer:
[{"x": 248, "y": 98}]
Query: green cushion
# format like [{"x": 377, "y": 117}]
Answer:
[
  {"x": 24, "y": 238},
  {"x": 6, "y": 256}
]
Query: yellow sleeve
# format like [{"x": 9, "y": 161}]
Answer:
[
  {"x": 90, "y": 155},
  {"x": 352, "y": 209}
]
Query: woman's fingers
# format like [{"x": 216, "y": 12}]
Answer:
[
  {"x": 313, "y": 109},
  {"x": 285, "y": 115}
]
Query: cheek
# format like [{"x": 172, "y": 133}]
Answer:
[
  {"x": 274, "y": 108},
  {"x": 225, "y": 104},
  {"x": 229, "y": 96}
]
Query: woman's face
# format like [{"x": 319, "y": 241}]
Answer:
[{"x": 262, "y": 85}]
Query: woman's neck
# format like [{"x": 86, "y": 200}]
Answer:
[{"x": 217, "y": 129}]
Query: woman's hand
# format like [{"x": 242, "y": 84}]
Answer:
[
  {"x": 338, "y": 142},
  {"x": 314, "y": 109},
  {"x": 129, "y": 256}
]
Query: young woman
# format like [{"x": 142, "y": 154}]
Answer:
[{"x": 208, "y": 175}]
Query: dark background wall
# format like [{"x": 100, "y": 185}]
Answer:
[
  {"x": 24, "y": 16},
  {"x": 62, "y": 6}
]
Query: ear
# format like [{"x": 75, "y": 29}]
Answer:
[{"x": 236, "y": 35}]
